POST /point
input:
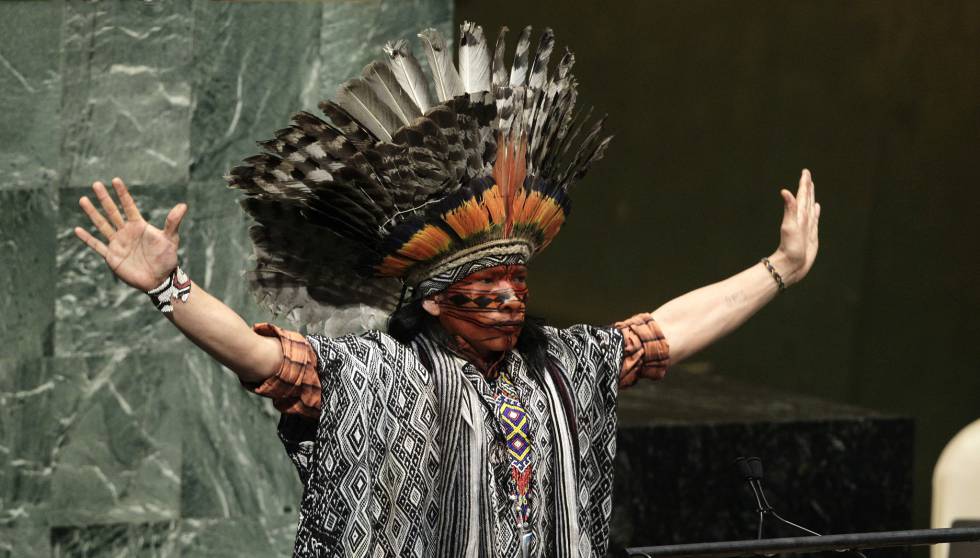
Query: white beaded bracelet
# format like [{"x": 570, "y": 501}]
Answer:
[{"x": 175, "y": 287}]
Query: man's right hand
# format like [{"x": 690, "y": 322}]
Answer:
[
  {"x": 137, "y": 252},
  {"x": 143, "y": 255}
]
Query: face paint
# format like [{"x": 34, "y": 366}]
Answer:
[{"x": 485, "y": 312}]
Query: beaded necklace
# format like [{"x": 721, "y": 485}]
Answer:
[{"x": 514, "y": 424}]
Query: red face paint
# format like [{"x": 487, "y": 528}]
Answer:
[{"x": 485, "y": 312}]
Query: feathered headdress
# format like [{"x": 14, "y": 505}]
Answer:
[{"x": 401, "y": 189}]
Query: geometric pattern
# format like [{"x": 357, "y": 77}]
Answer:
[
  {"x": 386, "y": 467},
  {"x": 515, "y": 428},
  {"x": 443, "y": 280},
  {"x": 513, "y": 424}
]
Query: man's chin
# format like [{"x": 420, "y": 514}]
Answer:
[{"x": 502, "y": 344}]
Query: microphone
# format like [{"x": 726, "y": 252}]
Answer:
[
  {"x": 751, "y": 470},
  {"x": 746, "y": 469}
]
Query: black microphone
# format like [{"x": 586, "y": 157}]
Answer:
[
  {"x": 751, "y": 470},
  {"x": 746, "y": 469}
]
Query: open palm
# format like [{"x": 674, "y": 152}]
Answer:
[
  {"x": 137, "y": 252},
  {"x": 799, "y": 236}
]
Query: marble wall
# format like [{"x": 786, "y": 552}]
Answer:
[{"x": 117, "y": 436}]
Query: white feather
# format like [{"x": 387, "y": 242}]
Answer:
[
  {"x": 474, "y": 58},
  {"x": 409, "y": 74},
  {"x": 448, "y": 84}
]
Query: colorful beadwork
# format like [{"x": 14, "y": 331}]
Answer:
[{"x": 517, "y": 435}]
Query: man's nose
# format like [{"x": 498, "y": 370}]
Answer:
[{"x": 513, "y": 301}]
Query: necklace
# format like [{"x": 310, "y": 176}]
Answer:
[{"x": 515, "y": 427}]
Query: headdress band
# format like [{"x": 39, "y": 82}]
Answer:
[{"x": 468, "y": 262}]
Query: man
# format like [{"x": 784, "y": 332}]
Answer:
[{"x": 466, "y": 429}]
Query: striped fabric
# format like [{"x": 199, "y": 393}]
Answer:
[
  {"x": 404, "y": 459},
  {"x": 295, "y": 388}
]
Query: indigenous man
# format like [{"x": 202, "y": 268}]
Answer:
[{"x": 466, "y": 429}]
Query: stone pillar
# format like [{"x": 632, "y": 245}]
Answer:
[{"x": 117, "y": 436}]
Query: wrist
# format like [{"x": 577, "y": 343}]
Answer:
[{"x": 784, "y": 266}]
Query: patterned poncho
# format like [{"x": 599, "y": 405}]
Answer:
[{"x": 402, "y": 459}]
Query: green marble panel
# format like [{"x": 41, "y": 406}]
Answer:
[
  {"x": 218, "y": 250},
  {"x": 30, "y": 541},
  {"x": 117, "y": 439},
  {"x": 27, "y": 236},
  {"x": 252, "y": 61},
  {"x": 97, "y": 313},
  {"x": 30, "y": 93},
  {"x": 31, "y": 393},
  {"x": 127, "y": 92},
  {"x": 132, "y": 540},
  {"x": 117, "y": 436},
  {"x": 233, "y": 464},
  {"x": 266, "y": 535}
]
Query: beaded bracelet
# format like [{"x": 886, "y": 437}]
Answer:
[
  {"x": 175, "y": 287},
  {"x": 774, "y": 273}
]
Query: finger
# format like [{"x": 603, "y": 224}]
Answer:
[
  {"x": 174, "y": 218},
  {"x": 811, "y": 191},
  {"x": 92, "y": 242},
  {"x": 815, "y": 223},
  {"x": 108, "y": 205},
  {"x": 801, "y": 194},
  {"x": 97, "y": 219},
  {"x": 129, "y": 206}
]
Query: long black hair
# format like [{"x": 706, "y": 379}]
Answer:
[{"x": 410, "y": 319}]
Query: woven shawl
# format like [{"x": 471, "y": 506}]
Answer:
[{"x": 397, "y": 464}]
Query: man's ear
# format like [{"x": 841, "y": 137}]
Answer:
[{"x": 431, "y": 306}]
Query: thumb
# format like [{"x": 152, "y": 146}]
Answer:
[
  {"x": 789, "y": 203},
  {"x": 173, "y": 220}
]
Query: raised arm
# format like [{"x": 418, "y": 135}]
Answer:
[
  {"x": 143, "y": 256},
  {"x": 693, "y": 321}
]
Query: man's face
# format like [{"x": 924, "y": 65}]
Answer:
[{"x": 485, "y": 310}]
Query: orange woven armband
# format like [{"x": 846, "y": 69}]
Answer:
[
  {"x": 295, "y": 387},
  {"x": 646, "y": 353}
]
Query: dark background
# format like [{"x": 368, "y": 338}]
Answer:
[{"x": 715, "y": 106}]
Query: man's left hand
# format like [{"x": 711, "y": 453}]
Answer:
[{"x": 798, "y": 239}]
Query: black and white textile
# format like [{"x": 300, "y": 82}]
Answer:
[{"x": 405, "y": 458}]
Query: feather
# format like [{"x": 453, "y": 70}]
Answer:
[
  {"x": 409, "y": 74},
  {"x": 516, "y": 129},
  {"x": 565, "y": 65},
  {"x": 539, "y": 69},
  {"x": 448, "y": 83},
  {"x": 358, "y": 98},
  {"x": 566, "y": 143},
  {"x": 500, "y": 74},
  {"x": 494, "y": 150},
  {"x": 359, "y": 136},
  {"x": 328, "y": 138},
  {"x": 474, "y": 58},
  {"x": 518, "y": 72},
  {"x": 386, "y": 87},
  {"x": 286, "y": 261},
  {"x": 589, "y": 150},
  {"x": 504, "y": 100}
]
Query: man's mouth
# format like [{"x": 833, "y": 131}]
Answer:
[{"x": 509, "y": 326}]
